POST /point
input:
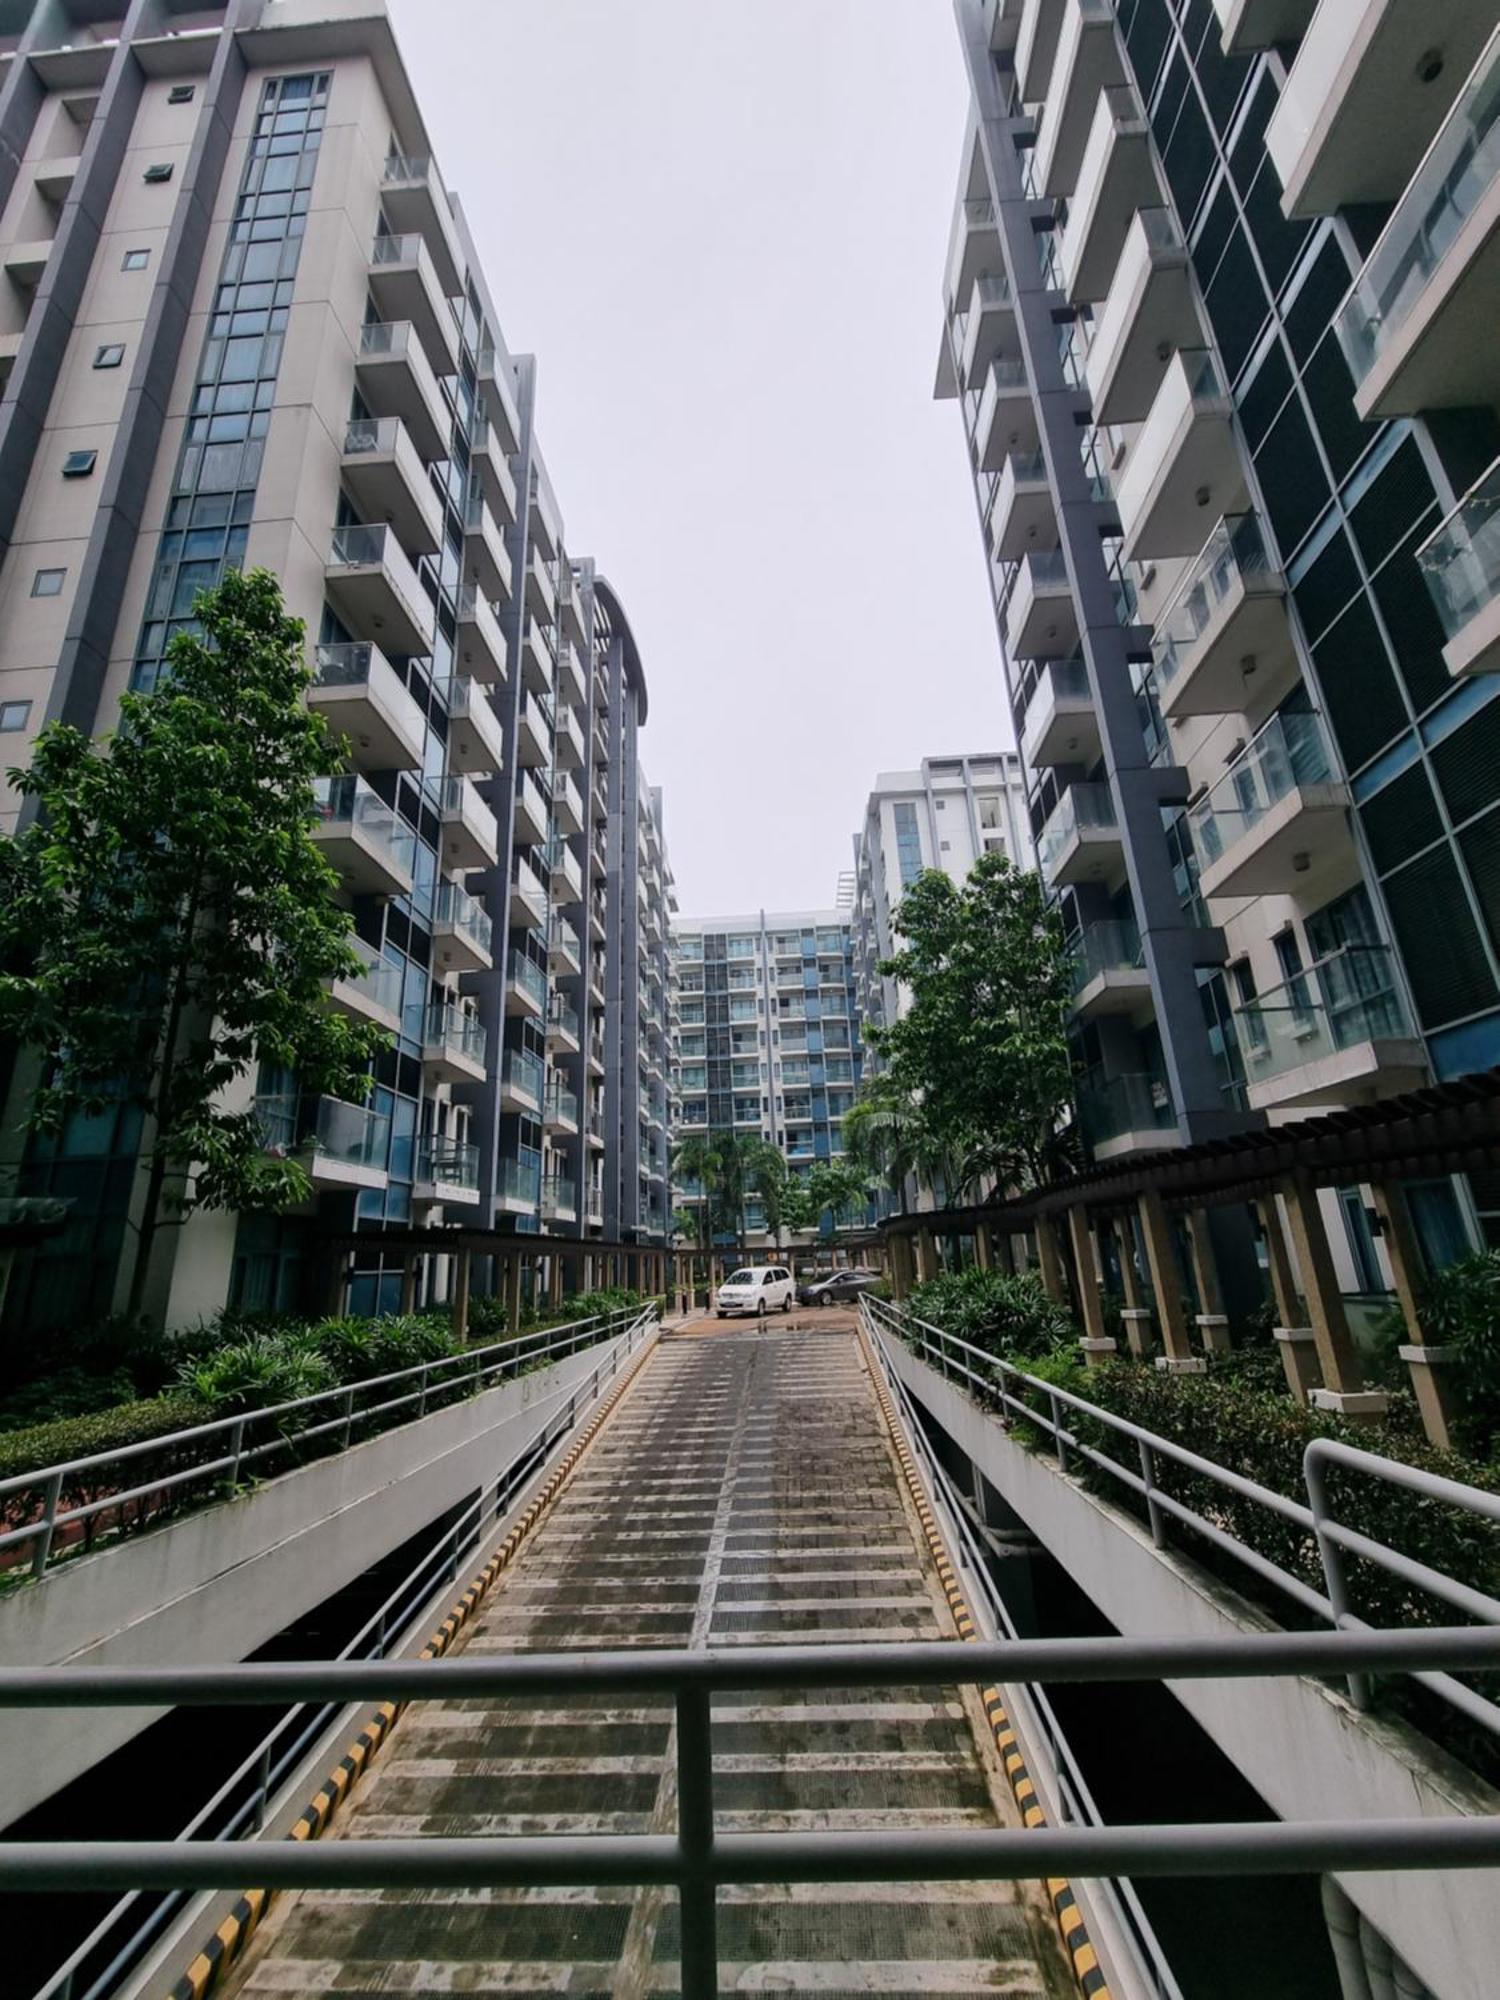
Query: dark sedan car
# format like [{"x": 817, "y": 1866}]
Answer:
[{"x": 839, "y": 1289}]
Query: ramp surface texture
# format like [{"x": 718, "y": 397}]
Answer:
[{"x": 745, "y": 1492}]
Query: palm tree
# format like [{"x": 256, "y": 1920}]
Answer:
[{"x": 697, "y": 1159}]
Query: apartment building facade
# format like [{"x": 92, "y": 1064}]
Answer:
[
  {"x": 242, "y": 323},
  {"x": 1213, "y": 297},
  {"x": 766, "y": 1037}
]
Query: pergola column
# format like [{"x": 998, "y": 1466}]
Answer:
[
  {"x": 1428, "y": 1362},
  {"x": 1049, "y": 1258},
  {"x": 411, "y": 1265},
  {"x": 555, "y": 1278},
  {"x": 1344, "y": 1391},
  {"x": 1213, "y": 1321},
  {"x": 1299, "y": 1349},
  {"x": 1135, "y": 1313},
  {"x": 513, "y": 1290},
  {"x": 1096, "y": 1343},
  {"x": 984, "y": 1256},
  {"x": 1166, "y": 1287},
  {"x": 462, "y": 1262}
]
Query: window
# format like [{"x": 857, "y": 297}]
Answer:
[
  {"x": 79, "y": 464},
  {"x": 48, "y": 583},
  {"x": 13, "y": 716},
  {"x": 908, "y": 844},
  {"x": 181, "y": 93},
  {"x": 135, "y": 260},
  {"x": 110, "y": 355},
  {"x": 160, "y": 170}
]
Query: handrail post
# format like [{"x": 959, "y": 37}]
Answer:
[
  {"x": 422, "y": 1396},
  {"x": 51, "y": 1494},
  {"x": 1153, "y": 1511},
  {"x": 348, "y": 1415},
  {"x": 1057, "y": 1434},
  {"x": 695, "y": 1844},
  {"x": 236, "y": 1450},
  {"x": 1331, "y": 1556}
]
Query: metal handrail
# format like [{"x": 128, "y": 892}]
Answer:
[
  {"x": 469, "y": 1369},
  {"x": 1332, "y": 1538}
]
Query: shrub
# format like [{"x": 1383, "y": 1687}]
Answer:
[
  {"x": 256, "y": 1374},
  {"x": 71, "y": 1392},
  {"x": 67, "y": 1438},
  {"x": 1460, "y": 1307},
  {"x": 1004, "y": 1315}
]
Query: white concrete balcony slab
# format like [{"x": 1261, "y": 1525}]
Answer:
[
  {"x": 564, "y": 948},
  {"x": 564, "y": 1035},
  {"x": 396, "y": 379},
  {"x": 1184, "y": 468},
  {"x": 340, "y": 1145},
  {"x": 533, "y": 731},
  {"x": 453, "y": 1045},
  {"x": 363, "y": 700},
  {"x": 374, "y": 588},
  {"x": 532, "y": 814},
  {"x": 1417, "y": 328},
  {"x": 1338, "y": 1033},
  {"x": 559, "y": 1198},
  {"x": 598, "y": 927},
  {"x": 414, "y": 199},
  {"x": 1223, "y": 642},
  {"x": 1148, "y": 315},
  {"x": 1109, "y": 973},
  {"x": 487, "y": 562},
  {"x": 470, "y": 835},
  {"x": 373, "y": 993},
  {"x": 572, "y": 752},
  {"x": 1087, "y": 62},
  {"x": 1022, "y": 515},
  {"x": 536, "y": 659},
  {"x": 1081, "y": 841},
  {"x": 1060, "y": 725},
  {"x": 1115, "y": 180},
  {"x": 546, "y": 524},
  {"x": 572, "y": 610},
  {"x": 447, "y": 1170},
  {"x": 565, "y": 871},
  {"x": 1036, "y": 47},
  {"x": 525, "y": 987},
  {"x": 25, "y": 262},
  {"x": 10, "y": 353},
  {"x": 594, "y": 1057},
  {"x": 1041, "y": 619},
  {"x": 541, "y": 589},
  {"x": 476, "y": 739},
  {"x": 567, "y": 802},
  {"x": 490, "y": 467},
  {"x": 528, "y": 896},
  {"x": 571, "y": 689},
  {"x": 1371, "y": 84},
  {"x": 1276, "y": 823},
  {"x": 404, "y": 284},
  {"x": 1006, "y": 420},
  {"x": 480, "y": 643},
  {"x": 1120, "y": 1115},
  {"x": 1258, "y": 24},
  {"x": 498, "y": 394},
  {"x": 989, "y": 326},
  {"x": 383, "y": 474},
  {"x": 463, "y": 935},
  {"x": 974, "y": 247},
  {"x": 560, "y": 1113},
  {"x": 53, "y": 179},
  {"x": 370, "y": 845},
  {"x": 1460, "y": 564},
  {"x": 522, "y": 1081}
]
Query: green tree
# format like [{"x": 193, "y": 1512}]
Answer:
[
  {"x": 982, "y": 1048},
  {"x": 167, "y": 921},
  {"x": 888, "y": 1136},
  {"x": 696, "y": 1161},
  {"x": 835, "y": 1186}
]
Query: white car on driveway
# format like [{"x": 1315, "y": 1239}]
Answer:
[{"x": 755, "y": 1288}]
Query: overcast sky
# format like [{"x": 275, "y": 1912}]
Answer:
[{"x": 721, "y": 229}]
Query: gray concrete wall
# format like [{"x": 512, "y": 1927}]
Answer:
[
  {"x": 1309, "y": 1754},
  {"x": 215, "y": 1586}
]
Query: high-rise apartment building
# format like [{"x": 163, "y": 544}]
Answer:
[
  {"x": 1215, "y": 300},
  {"x": 766, "y": 1034},
  {"x": 242, "y": 322}
]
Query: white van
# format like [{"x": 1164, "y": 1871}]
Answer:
[{"x": 758, "y": 1288}]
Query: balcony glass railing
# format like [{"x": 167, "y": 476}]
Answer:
[
  {"x": 529, "y": 978},
  {"x": 364, "y": 544},
  {"x": 1234, "y": 555},
  {"x": 1191, "y": 380},
  {"x": 1066, "y": 680},
  {"x": 565, "y": 939},
  {"x": 1459, "y": 169},
  {"x": 457, "y": 795},
  {"x": 394, "y": 336},
  {"x": 1291, "y": 750},
  {"x": 346, "y": 665},
  {"x": 1461, "y": 561},
  {"x": 1113, "y": 945},
  {"x": 453, "y": 1162},
  {"x": 350, "y": 1135},
  {"x": 529, "y": 795},
  {"x": 525, "y": 880},
  {"x": 524, "y": 1074},
  {"x": 1082, "y": 807},
  {"x": 559, "y": 1195},
  {"x": 406, "y": 169},
  {"x": 457, "y": 909},
  {"x": 368, "y": 436},
  {"x": 563, "y": 1017},
  {"x": 379, "y": 984},
  {"x": 456, "y": 1033},
  {"x": 403, "y": 249},
  {"x": 1341, "y": 1001},
  {"x": 348, "y": 801},
  {"x": 1110, "y": 1107},
  {"x": 562, "y": 1105},
  {"x": 521, "y": 1179}
]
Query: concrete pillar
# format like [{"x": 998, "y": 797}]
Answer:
[
  {"x": 1096, "y": 1343},
  {"x": 1166, "y": 1286},
  {"x": 1213, "y": 1321},
  {"x": 983, "y": 1254},
  {"x": 1003, "y": 1249},
  {"x": 462, "y": 1263},
  {"x": 410, "y": 1267},
  {"x": 1343, "y": 1377},
  {"x": 1428, "y": 1362},
  {"x": 513, "y": 1290},
  {"x": 555, "y": 1279},
  {"x": 1135, "y": 1314},
  {"x": 1049, "y": 1257}
]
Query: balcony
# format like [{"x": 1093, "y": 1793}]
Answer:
[
  {"x": 572, "y": 751},
  {"x": 525, "y": 987},
  {"x": 1087, "y": 62},
  {"x": 1115, "y": 180},
  {"x": 1041, "y": 620},
  {"x": 1416, "y": 327},
  {"x": 53, "y": 179},
  {"x": 1109, "y": 972},
  {"x": 522, "y": 1082},
  {"x": 1275, "y": 823},
  {"x": 1022, "y": 515},
  {"x": 1258, "y": 24},
  {"x": 1222, "y": 644},
  {"x": 1460, "y": 564},
  {"x": 486, "y": 558},
  {"x": 989, "y": 324},
  {"x": 1003, "y": 23},
  {"x": 536, "y": 658},
  {"x": 595, "y": 1058},
  {"x": 462, "y": 932},
  {"x": 373, "y": 993},
  {"x": 541, "y": 591},
  {"x": 476, "y": 742},
  {"x": 561, "y": 1114},
  {"x": 373, "y": 849},
  {"x": 413, "y": 198},
  {"x": 471, "y": 838},
  {"x": 446, "y": 1170},
  {"x": 520, "y": 1183},
  {"x": 1060, "y": 726},
  {"x": 491, "y": 470},
  {"x": 395, "y": 379},
  {"x": 974, "y": 247},
  {"x": 374, "y": 589},
  {"x": 404, "y": 284},
  {"x": 559, "y": 1198},
  {"x": 499, "y": 398},
  {"x": 25, "y": 262},
  {"x": 567, "y": 875},
  {"x": 567, "y": 803},
  {"x": 596, "y": 1205},
  {"x": 546, "y": 527},
  {"x": 1184, "y": 467},
  {"x": 1081, "y": 841},
  {"x": 533, "y": 731},
  {"x": 384, "y": 476},
  {"x": 528, "y": 896},
  {"x": 361, "y": 697},
  {"x": 564, "y": 1033},
  {"x": 564, "y": 948},
  {"x": 1036, "y": 47},
  {"x": 1126, "y": 1114},
  {"x": 339, "y": 1145},
  {"x": 480, "y": 644},
  {"x": 1337, "y": 1033},
  {"x": 1007, "y": 416},
  {"x": 570, "y": 683},
  {"x": 1148, "y": 315},
  {"x": 1370, "y": 86},
  {"x": 598, "y": 927},
  {"x": 453, "y": 1045}
]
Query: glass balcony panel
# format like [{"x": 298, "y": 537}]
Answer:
[
  {"x": 363, "y": 836},
  {"x": 1460, "y": 564},
  {"x": 1083, "y": 809},
  {"x": 345, "y": 1141},
  {"x": 459, "y": 911},
  {"x": 1314, "y": 1036},
  {"x": 1184, "y": 458},
  {"x": 452, "y": 1029},
  {"x": 1222, "y": 644},
  {"x": 520, "y": 1181},
  {"x": 375, "y": 990},
  {"x": 1290, "y": 753},
  {"x": 1113, "y": 1111},
  {"x": 528, "y": 978},
  {"x": 447, "y": 1162},
  {"x": 522, "y": 1073}
]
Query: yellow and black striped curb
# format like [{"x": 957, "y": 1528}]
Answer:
[
  {"x": 1085, "y": 1960},
  {"x": 228, "y": 1942}
]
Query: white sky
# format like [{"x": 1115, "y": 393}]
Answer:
[{"x": 721, "y": 228}]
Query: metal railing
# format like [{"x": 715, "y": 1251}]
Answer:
[
  {"x": 239, "y": 1808},
  {"x": 1027, "y": 1399},
  {"x": 236, "y": 1445}
]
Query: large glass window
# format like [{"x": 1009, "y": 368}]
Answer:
[{"x": 908, "y": 843}]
